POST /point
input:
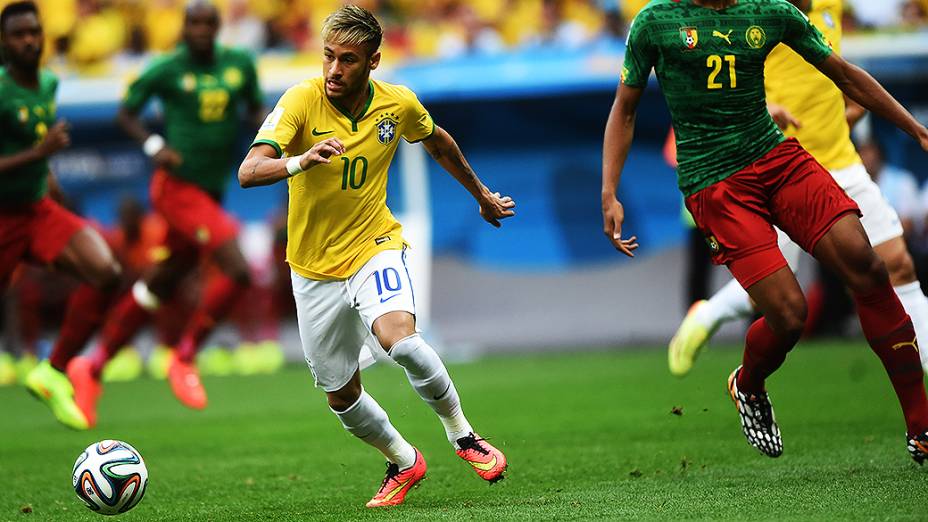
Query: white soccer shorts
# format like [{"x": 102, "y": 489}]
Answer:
[
  {"x": 335, "y": 317},
  {"x": 880, "y": 220}
]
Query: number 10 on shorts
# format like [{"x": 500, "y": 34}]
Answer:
[{"x": 387, "y": 279}]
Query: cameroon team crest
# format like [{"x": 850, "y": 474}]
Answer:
[
  {"x": 386, "y": 127},
  {"x": 690, "y": 37},
  {"x": 756, "y": 36}
]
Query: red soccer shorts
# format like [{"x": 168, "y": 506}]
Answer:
[
  {"x": 194, "y": 217},
  {"x": 36, "y": 232},
  {"x": 786, "y": 188}
]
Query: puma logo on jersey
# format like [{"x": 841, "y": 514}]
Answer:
[{"x": 726, "y": 37}]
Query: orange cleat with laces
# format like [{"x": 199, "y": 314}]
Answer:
[
  {"x": 487, "y": 461},
  {"x": 185, "y": 383},
  {"x": 397, "y": 483}
]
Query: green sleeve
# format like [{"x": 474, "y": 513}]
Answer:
[
  {"x": 144, "y": 87},
  {"x": 640, "y": 56},
  {"x": 805, "y": 38},
  {"x": 253, "y": 95}
]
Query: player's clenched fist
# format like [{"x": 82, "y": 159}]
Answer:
[
  {"x": 613, "y": 217},
  {"x": 167, "y": 158},
  {"x": 321, "y": 152},
  {"x": 494, "y": 207},
  {"x": 57, "y": 138}
]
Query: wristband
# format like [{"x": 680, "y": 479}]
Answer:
[
  {"x": 153, "y": 145},
  {"x": 293, "y": 166}
]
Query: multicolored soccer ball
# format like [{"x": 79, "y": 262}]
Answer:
[{"x": 110, "y": 477}]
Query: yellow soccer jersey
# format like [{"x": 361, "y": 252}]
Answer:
[
  {"x": 811, "y": 97},
  {"x": 338, "y": 217}
]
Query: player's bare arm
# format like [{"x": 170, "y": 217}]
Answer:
[
  {"x": 620, "y": 130},
  {"x": 853, "y": 112},
  {"x": 58, "y": 138},
  {"x": 159, "y": 151},
  {"x": 862, "y": 88},
  {"x": 443, "y": 149},
  {"x": 263, "y": 167}
]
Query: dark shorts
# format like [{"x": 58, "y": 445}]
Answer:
[
  {"x": 786, "y": 188},
  {"x": 36, "y": 232},
  {"x": 195, "y": 219}
]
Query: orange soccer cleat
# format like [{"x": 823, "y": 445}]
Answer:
[
  {"x": 397, "y": 483},
  {"x": 487, "y": 461},
  {"x": 185, "y": 383},
  {"x": 87, "y": 389}
]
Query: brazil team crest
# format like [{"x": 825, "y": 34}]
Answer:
[
  {"x": 756, "y": 36},
  {"x": 386, "y": 127},
  {"x": 690, "y": 36}
]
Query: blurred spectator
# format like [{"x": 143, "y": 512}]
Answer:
[
  {"x": 242, "y": 28},
  {"x": 898, "y": 186},
  {"x": 914, "y": 14}
]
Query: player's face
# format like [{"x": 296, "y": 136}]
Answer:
[
  {"x": 200, "y": 28},
  {"x": 23, "y": 40},
  {"x": 347, "y": 69}
]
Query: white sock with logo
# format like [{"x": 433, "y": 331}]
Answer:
[
  {"x": 916, "y": 305},
  {"x": 729, "y": 303},
  {"x": 366, "y": 420},
  {"x": 429, "y": 377}
]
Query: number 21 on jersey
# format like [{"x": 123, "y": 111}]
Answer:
[{"x": 716, "y": 63}]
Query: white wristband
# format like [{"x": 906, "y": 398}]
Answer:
[
  {"x": 293, "y": 166},
  {"x": 153, "y": 145}
]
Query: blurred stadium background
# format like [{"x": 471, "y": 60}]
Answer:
[{"x": 525, "y": 87}]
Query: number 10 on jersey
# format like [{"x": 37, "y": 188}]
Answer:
[{"x": 716, "y": 63}]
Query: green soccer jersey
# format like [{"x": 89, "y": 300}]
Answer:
[
  {"x": 710, "y": 66},
  {"x": 25, "y": 117},
  {"x": 201, "y": 105}
]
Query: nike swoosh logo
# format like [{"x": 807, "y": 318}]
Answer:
[
  {"x": 484, "y": 466},
  {"x": 317, "y": 133},
  {"x": 395, "y": 491},
  {"x": 442, "y": 394},
  {"x": 384, "y": 300}
]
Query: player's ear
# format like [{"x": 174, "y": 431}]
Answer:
[{"x": 375, "y": 60}]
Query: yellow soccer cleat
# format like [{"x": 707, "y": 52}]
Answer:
[
  {"x": 272, "y": 356},
  {"x": 158, "y": 361},
  {"x": 690, "y": 339},
  {"x": 125, "y": 366},
  {"x": 26, "y": 363},
  {"x": 7, "y": 369},
  {"x": 216, "y": 361},
  {"x": 54, "y": 389}
]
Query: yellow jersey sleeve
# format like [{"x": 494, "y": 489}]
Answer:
[
  {"x": 283, "y": 127},
  {"x": 418, "y": 122}
]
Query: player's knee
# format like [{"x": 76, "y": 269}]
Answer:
[
  {"x": 107, "y": 275},
  {"x": 870, "y": 273},
  {"x": 343, "y": 398},
  {"x": 394, "y": 327},
  {"x": 788, "y": 319}
]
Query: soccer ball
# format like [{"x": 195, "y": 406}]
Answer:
[{"x": 110, "y": 477}]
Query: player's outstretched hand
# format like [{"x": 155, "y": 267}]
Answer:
[
  {"x": 57, "y": 138},
  {"x": 613, "y": 217},
  {"x": 494, "y": 207},
  {"x": 321, "y": 152},
  {"x": 782, "y": 117},
  {"x": 167, "y": 158}
]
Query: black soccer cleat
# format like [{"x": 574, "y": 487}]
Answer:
[
  {"x": 918, "y": 448},
  {"x": 757, "y": 419}
]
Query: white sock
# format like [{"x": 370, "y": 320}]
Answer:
[
  {"x": 429, "y": 377},
  {"x": 729, "y": 303},
  {"x": 366, "y": 420},
  {"x": 916, "y": 305}
]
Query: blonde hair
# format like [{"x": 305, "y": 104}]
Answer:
[{"x": 353, "y": 25}]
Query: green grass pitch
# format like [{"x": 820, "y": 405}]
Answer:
[{"x": 588, "y": 436}]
